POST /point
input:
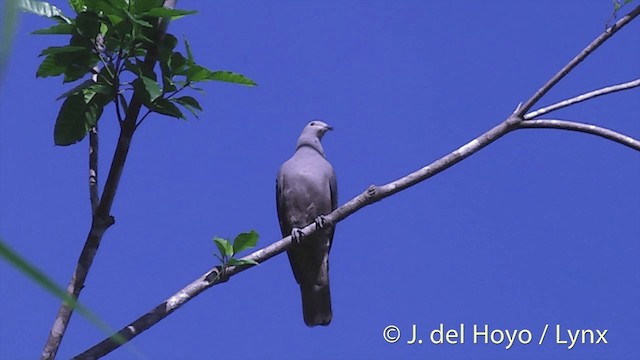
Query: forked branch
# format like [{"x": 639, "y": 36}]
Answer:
[{"x": 583, "y": 97}]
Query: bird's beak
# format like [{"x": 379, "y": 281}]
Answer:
[{"x": 328, "y": 127}]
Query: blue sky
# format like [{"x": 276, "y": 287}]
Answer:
[{"x": 539, "y": 228}]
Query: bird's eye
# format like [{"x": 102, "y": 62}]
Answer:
[{"x": 313, "y": 123}]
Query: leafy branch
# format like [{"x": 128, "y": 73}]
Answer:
[
  {"x": 114, "y": 46},
  {"x": 118, "y": 35},
  {"x": 227, "y": 251}
]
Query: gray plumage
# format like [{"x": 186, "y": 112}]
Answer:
[{"x": 306, "y": 188}]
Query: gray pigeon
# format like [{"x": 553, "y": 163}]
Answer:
[{"x": 306, "y": 188}]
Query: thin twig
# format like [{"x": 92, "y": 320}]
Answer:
[
  {"x": 578, "y": 59},
  {"x": 142, "y": 118},
  {"x": 583, "y": 97},
  {"x": 168, "y": 97},
  {"x": 581, "y": 127}
]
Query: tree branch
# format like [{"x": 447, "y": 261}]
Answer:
[
  {"x": 101, "y": 219},
  {"x": 578, "y": 59},
  {"x": 371, "y": 195},
  {"x": 581, "y": 127},
  {"x": 583, "y": 97}
]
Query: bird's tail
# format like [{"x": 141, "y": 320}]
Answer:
[{"x": 316, "y": 304}]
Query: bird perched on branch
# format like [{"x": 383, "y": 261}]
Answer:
[{"x": 306, "y": 189}]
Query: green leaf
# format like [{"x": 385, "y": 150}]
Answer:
[
  {"x": 106, "y": 74},
  {"x": 73, "y": 61},
  {"x": 224, "y": 246},
  {"x": 152, "y": 87},
  {"x": 164, "y": 12},
  {"x": 166, "y": 107},
  {"x": 196, "y": 88},
  {"x": 190, "y": 60},
  {"x": 134, "y": 68},
  {"x": 141, "y": 6},
  {"x": 177, "y": 63},
  {"x": 53, "y": 50},
  {"x": 197, "y": 73},
  {"x": 43, "y": 8},
  {"x": 49, "y": 67},
  {"x": 228, "y": 76},
  {"x": 59, "y": 29},
  {"x": 77, "y": 89},
  {"x": 77, "y": 5},
  {"x": 245, "y": 241},
  {"x": 239, "y": 262},
  {"x": 190, "y": 104},
  {"x": 137, "y": 20},
  {"x": 88, "y": 24},
  {"x": 115, "y": 19},
  {"x": 120, "y": 32},
  {"x": 145, "y": 41},
  {"x": 148, "y": 89},
  {"x": 169, "y": 41},
  {"x": 105, "y": 92},
  {"x": 80, "y": 67},
  {"x": 75, "y": 119},
  {"x": 168, "y": 85}
]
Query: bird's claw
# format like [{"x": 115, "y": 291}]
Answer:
[
  {"x": 321, "y": 222},
  {"x": 297, "y": 235}
]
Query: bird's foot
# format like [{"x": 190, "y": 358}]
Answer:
[
  {"x": 321, "y": 222},
  {"x": 296, "y": 235}
]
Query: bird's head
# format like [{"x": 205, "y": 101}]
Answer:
[{"x": 316, "y": 128}]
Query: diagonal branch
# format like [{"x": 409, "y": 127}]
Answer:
[
  {"x": 578, "y": 59},
  {"x": 101, "y": 219},
  {"x": 581, "y": 127},
  {"x": 583, "y": 97},
  {"x": 371, "y": 195}
]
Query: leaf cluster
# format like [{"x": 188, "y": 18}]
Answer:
[
  {"x": 227, "y": 249},
  {"x": 110, "y": 44}
]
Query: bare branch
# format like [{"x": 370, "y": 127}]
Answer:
[
  {"x": 583, "y": 97},
  {"x": 578, "y": 59},
  {"x": 581, "y": 127},
  {"x": 102, "y": 219}
]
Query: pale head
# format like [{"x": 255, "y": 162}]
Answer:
[
  {"x": 316, "y": 128},
  {"x": 311, "y": 135}
]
